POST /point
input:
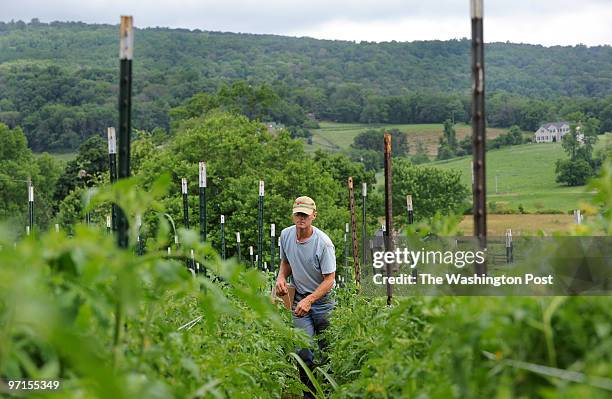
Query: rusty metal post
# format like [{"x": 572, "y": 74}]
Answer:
[
  {"x": 364, "y": 195},
  {"x": 346, "y": 251},
  {"x": 388, "y": 234},
  {"x": 479, "y": 129},
  {"x": 410, "y": 209},
  {"x": 126, "y": 53},
  {"x": 372, "y": 255},
  {"x": 354, "y": 229},
  {"x": 472, "y": 171}
]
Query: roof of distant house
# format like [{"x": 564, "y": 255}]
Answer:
[{"x": 554, "y": 124}]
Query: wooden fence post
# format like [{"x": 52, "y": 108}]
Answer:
[{"x": 388, "y": 234}]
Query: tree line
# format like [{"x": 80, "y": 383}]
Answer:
[
  {"x": 579, "y": 144},
  {"x": 58, "y": 80}
]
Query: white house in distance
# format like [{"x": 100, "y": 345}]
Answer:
[
  {"x": 552, "y": 132},
  {"x": 273, "y": 126}
]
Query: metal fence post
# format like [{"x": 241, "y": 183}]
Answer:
[
  {"x": 260, "y": 226},
  {"x": 202, "y": 185},
  {"x": 410, "y": 209},
  {"x": 354, "y": 230},
  {"x": 126, "y": 53},
  {"x": 31, "y": 206},
  {"x": 479, "y": 129},
  {"x": 223, "y": 237},
  {"x": 388, "y": 235},
  {"x": 139, "y": 248},
  {"x": 112, "y": 167},
  {"x": 509, "y": 254},
  {"x": 184, "y": 192},
  {"x": 238, "y": 246},
  {"x": 364, "y": 195},
  {"x": 577, "y": 216},
  {"x": 272, "y": 245},
  {"x": 346, "y": 251}
]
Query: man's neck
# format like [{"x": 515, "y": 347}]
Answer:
[{"x": 303, "y": 234}]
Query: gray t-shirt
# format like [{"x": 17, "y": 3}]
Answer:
[{"x": 309, "y": 260}]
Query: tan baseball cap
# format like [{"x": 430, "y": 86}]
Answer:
[{"x": 305, "y": 205}]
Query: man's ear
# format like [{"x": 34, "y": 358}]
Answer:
[{"x": 314, "y": 215}]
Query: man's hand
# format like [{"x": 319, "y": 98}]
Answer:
[
  {"x": 281, "y": 287},
  {"x": 303, "y": 307}
]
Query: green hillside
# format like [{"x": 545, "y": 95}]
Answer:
[
  {"x": 525, "y": 175},
  {"x": 382, "y": 68},
  {"x": 339, "y": 136},
  {"x": 332, "y": 136},
  {"x": 58, "y": 81},
  {"x": 61, "y": 156}
]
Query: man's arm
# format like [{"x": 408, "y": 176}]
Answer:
[
  {"x": 281, "y": 280},
  {"x": 326, "y": 285}
]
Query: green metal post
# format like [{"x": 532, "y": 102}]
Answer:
[
  {"x": 272, "y": 245},
  {"x": 112, "y": 166},
  {"x": 260, "y": 226},
  {"x": 31, "y": 206},
  {"x": 202, "y": 181},
  {"x": 126, "y": 52},
  {"x": 238, "y": 246},
  {"x": 223, "y": 237}
]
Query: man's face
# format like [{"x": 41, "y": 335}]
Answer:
[{"x": 302, "y": 220}]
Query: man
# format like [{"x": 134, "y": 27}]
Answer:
[{"x": 308, "y": 256}]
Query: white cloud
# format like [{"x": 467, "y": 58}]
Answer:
[
  {"x": 546, "y": 22},
  {"x": 590, "y": 24},
  {"x": 407, "y": 29}
]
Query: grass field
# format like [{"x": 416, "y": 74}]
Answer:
[
  {"x": 339, "y": 136},
  {"x": 525, "y": 175},
  {"x": 520, "y": 224},
  {"x": 63, "y": 156}
]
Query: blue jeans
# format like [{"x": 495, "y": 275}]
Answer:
[{"x": 314, "y": 322}]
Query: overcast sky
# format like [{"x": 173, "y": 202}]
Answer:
[{"x": 547, "y": 22}]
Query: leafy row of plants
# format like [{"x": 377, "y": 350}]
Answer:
[
  {"x": 471, "y": 347},
  {"x": 474, "y": 347},
  {"x": 110, "y": 323}
]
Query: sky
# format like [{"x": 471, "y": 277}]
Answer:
[{"x": 546, "y": 22}]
